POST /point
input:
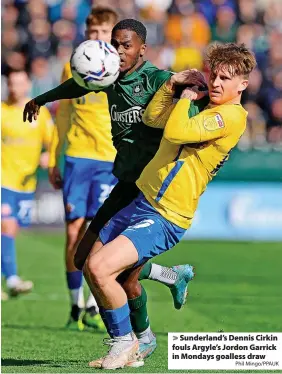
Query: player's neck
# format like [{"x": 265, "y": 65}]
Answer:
[
  {"x": 135, "y": 67},
  {"x": 236, "y": 100},
  {"x": 18, "y": 102}
]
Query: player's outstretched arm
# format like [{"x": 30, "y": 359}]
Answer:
[{"x": 67, "y": 90}]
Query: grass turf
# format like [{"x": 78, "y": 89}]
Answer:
[{"x": 237, "y": 289}]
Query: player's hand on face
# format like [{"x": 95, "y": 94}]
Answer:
[
  {"x": 191, "y": 76},
  {"x": 31, "y": 111},
  {"x": 55, "y": 178},
  {"x": 193, "y": 93}
]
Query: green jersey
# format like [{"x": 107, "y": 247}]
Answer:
[
  {"x": 128, "y": 97},
  {"x": 135, "y": 142}
]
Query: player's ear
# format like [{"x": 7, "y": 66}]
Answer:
[
  {"x": 143, "y": 50},
  {"x": 243, "y": 85}
]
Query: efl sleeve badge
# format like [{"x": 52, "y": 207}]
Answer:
[{"x": 214, "y": 122}]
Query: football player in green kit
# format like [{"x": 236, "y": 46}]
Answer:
[{"x": 136, "y": 145}]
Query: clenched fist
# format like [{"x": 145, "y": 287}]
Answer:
[
  {"x": 193, "y": 93},
  {"x": 192, "y": 76}
]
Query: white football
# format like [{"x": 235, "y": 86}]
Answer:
[{"x": 95, "y": 64}]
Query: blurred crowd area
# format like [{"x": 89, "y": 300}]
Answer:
[{"x": 41, "y": 34}]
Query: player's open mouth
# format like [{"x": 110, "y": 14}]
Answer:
[{"x": 216, "y": 93}]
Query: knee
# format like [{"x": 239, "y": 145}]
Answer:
[
  {"x": 132, "y": 288},
  {"x": 9, "y": 227},
  {"x": 72, "y": 235},
  {"x": 96, "y": 271}
]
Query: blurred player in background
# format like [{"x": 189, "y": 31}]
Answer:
[
  {"x": 191, "y": 152},
  {"x": 22, "y": 144},
  {"x": 88, "y": 178}
]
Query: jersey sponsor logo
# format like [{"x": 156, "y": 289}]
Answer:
[
  {"x": 131, "y": 115},
  {"x": 142, "y": 224},
  {"x": 138, "y": 89},
  {"x": 214, "y": 123},
  {"x": 6, "y": 210}
]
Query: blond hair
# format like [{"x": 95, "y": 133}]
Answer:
[
  {"x": 236, "y": 59},
  {"x": 99, "y": 15}
]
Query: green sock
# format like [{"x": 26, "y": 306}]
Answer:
[
  {"x": 138, "y": 312},
  {"x": 145, "y": 272}
]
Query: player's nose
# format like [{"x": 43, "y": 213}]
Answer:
[
  {"x": 120, "y": 50},
  {"x": 216, "y": 82}
]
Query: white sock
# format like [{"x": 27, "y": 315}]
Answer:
[
  {"x": 145, "y": 336},
  {"x": 163, "y": 274},
  {"x": 126, "y": 340},
  {"x": 13, "y": 281},
  {"x": 77, "y": 297},
  {"x": 91, "y": 302}
]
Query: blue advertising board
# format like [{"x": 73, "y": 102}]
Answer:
[
  {"x": 227, "y": 210},
  {"x": 239, "y": 211}
]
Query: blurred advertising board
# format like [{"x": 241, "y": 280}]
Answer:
[
  {"x": 255, "y": 165},
  {"x": 48, "y": 208},
  {"x": 227, "y": 210},
  {"x": 239, "y": 211},
  {"x": 264, "y": 165}
]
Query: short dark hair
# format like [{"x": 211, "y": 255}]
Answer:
[
  {"x": 133, "y": 25},
  {"x": 100, "y": 14}
]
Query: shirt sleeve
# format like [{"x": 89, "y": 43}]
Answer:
[
  {"x": 67, "y": 90},
  {"x": 158, "y": 79},
  {"x": 159, "y": 108},
  {"x": 205, "y": 126}
]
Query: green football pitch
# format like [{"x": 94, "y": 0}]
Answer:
[{"x": 237, "y": 289}]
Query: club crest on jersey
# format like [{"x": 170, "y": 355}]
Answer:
[
  {"x": 138, "y": 89},
  {"x": 214, "y": 123}
]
